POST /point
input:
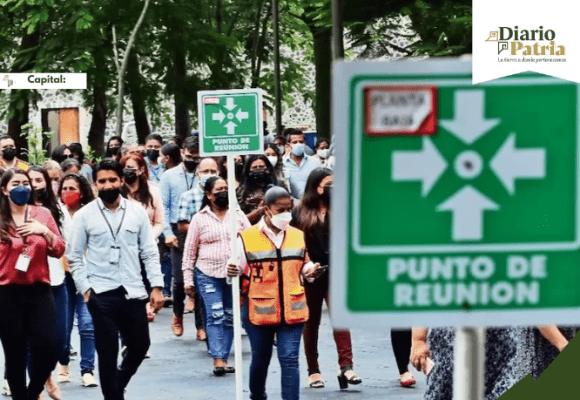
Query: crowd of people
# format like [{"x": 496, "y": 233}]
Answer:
[{"x": 113, "y": 242}]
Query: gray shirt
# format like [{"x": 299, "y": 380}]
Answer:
[{"x": 91, "y": 234}]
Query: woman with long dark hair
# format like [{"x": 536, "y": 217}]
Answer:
[
  {"x": 272, "y": 153},
  {"x": 258, "y": 174},
  {"x": 45, "y": 197},
  {"x": 113, "y": 149},
  {"x": 239, "y": 165},
  {"x": 61, "y": 153},
  {"x": 75, "y": 192},
  {"x": 28, "y": 236},
  {"x": 312, "y": 216},
  {"x": 207, "y": 250},
  {"x": 140, "y": 189}
]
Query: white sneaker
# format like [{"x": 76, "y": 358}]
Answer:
[
  {"x": 6, "y": 388},
  {"x": 63, "y": 374},
  {"x": 89, "y": 380}
]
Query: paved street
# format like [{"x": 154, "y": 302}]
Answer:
[{"x": 180, "y": 368}]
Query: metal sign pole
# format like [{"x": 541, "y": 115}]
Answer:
[
  {"x": 235, "y": 281},
  {"x": 469, "y": 365}
]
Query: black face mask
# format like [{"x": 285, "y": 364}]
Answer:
[
  {"x": 221, "y": 199},
  {"x": 109, "y": 196},
  {"x": 130, "y": 175},
  {"x": 114, "y": 150},
  {"x": 41, "y": 195},
  {"x": 9, "y": 153},
  {"x": 259, "y": 175},
  {"x": 327, "y": 194},
  {"x": 153, "y": 154},
  {"x": 190, "y": 165},
  {"x": 239, "y": 169}
]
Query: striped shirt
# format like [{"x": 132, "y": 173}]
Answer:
[{"x": 208, "y": 244}]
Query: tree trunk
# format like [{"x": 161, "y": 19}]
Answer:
[
  {"x": 19, "y": 118},
  {"x": 21, "y": 113},
  {"x": 255, "y": 39},
  {"x": 99, "y": 113},
  {"x": 181, "y": 109},
  {"x": 261, "y": 45},
  {"x": 323, "y": 64},
  {"x": 123, "y": 68},
  {"x": 137, "y": 98}
]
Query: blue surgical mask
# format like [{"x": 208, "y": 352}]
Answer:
[
  {"x": 282, "y": 150},
  {"x": 298, "y": 149},
  {"x": 20, "y": 195},
  {"x": 203, "y": 179}
]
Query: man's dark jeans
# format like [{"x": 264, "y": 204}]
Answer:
[{"x": 113, "y": 314}]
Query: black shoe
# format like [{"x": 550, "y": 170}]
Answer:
[
  {"x": 230, "y": 370},
  {"x": 168, "y": 302},
  {"x": 219, "y": 371},
  {"x": 343, "y": 381}
]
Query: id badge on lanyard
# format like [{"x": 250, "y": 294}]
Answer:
[
  {"x": 115, "y": 254},
  {"x": 114, "y": 251},
  {"x": 23, "y": 261}
]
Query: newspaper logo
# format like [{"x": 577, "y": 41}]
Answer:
[
  {"x": 524, "y": 42},
  {"x": 510, "y": 42}
]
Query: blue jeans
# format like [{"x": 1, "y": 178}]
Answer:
[
  {"x": 166, "y": 271},
  {"x": 217, "y": 299},
  {"x": 86, "y": 329},
  {"x": 60, "y": 323},
  {"x": 288, "y": 345}
]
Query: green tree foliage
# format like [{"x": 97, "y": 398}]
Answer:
[{"x": 444, "y": 27}]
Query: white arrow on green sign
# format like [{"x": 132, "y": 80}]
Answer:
[
  {"x": 230, "y": 122},
  {"x": 477, "y": 224}
]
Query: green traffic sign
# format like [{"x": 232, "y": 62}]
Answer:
[
  {"x": 230, "y": 122},
  {"x": 476, "y": 224}
]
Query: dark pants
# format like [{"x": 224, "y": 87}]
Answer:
[
  {"x": 112, "y": 315},
  {"x": 288, "y": 347},
  {"x": 316, "y": 293},
  {"x": 401, "y": 342},
  {"x": 28, "y": 318},
  {"x": 178, "y": 285},
  {"x": 176, "y": 263},
  {"x": 60, "y": 297}
]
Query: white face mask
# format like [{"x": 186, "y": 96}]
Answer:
[
  {"x": 273, "y": 160},
  {"x": 281, "y": 221},
  {"x": 282, "y": 150},
  {"x": 203, "y": 179},
  {"x": 298, "y": 149},
  {"x": 323, "y": 153}
]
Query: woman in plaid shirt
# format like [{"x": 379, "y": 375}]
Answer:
[{"x": 207, "y": 249}]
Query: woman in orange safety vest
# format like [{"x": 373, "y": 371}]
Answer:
[{"x": 274, "y": 262}]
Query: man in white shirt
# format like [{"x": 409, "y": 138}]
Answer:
[
  {"x": 115, "y": 235},
  {"x": 298, "y": 165}
]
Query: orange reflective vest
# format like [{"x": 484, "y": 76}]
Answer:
[{"x": 275, "y": 293}]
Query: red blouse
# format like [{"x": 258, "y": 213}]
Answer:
[{"x": 37, "y": 249}]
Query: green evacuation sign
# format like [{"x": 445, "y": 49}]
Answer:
[
  {"x": 230, "y": 122},
  {"x": 473, "y": 224}
]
